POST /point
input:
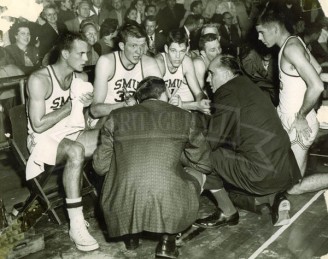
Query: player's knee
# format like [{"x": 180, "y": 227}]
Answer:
[{"x": 76, "y": 153}]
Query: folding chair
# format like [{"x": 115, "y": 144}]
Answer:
[{"x": 48, "y": 198}]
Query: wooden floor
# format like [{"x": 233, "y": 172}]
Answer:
[{"x": 254, "y": 237}]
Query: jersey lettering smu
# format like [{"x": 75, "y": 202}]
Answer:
[
  {"x": 173, "y": 81},
  {"x": 58, "y": 96},
  {"x": 123, "y": 80}
]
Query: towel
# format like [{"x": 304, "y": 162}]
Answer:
[{"x": 78, "y": 88}]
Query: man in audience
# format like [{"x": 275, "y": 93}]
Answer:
[
  {"x": 155, "y": 39},
  {"x": 250, "y": 149},
  {"x": 175, "y": 12},
  {"x": 150, "y": 10},
  {"x": 83, "y": 12},
  {"x": 118, "y": 12},
  {"x": 98, "y": 13},
  {"x": 300, "y": 88},
  {"x": 66, "y": 12},
  {"x": 179, "y": 74},
  {"x": 196, "y": 8},
  {"x": 51, "y": 140},
  {"x": 230, "y": 38},
  {"x": 118, "y": 74},
  {"x": 152, "y": 190}
]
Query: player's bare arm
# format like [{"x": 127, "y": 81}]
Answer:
[{"x": 38, "y": 89}]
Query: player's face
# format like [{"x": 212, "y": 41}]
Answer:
[
  {"x": 78, "y": 55},
  {"x": 23, "y": 36},
  {"x": 176, "y": 53},
  {"x": 266, "y": 35},
  {"x": 212, "y": 49},
  {"x": 134, "y": 48}
]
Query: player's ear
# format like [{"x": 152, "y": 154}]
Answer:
[
  {"x": 121, "y": 45},
  {"x": 166, "y": 48},
  {"x": 65, "y": 53}
]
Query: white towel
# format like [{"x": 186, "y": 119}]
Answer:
[{"x": 78, "y": 88}]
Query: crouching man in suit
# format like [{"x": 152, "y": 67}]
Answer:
[{"x": 154, "y": 156}]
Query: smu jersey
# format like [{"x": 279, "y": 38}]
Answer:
[
  {"x": 176, "y": 83},
  {"x": 123, "y": 78},
  {"x": 58, "y": 96}
]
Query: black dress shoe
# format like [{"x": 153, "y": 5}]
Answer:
[
  {"x": 131, "y": 242},
  {"x": 167, "y": 248},
  {"x": 280, "y": 210},
  {"x": 217, "y": 219}
]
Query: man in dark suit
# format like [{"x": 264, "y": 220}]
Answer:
[
  {"x": 170, "y": 16},
  {"x": 98, "y": 13},
  {"x": 251, "y": 152},
  {"x": 118, "y": 12},
  {"x": 155, "y": 39},
  {"x": 83, "y": 12},
  {"x": 230, "y": 38},
  {"x": 156, "y": 190}
]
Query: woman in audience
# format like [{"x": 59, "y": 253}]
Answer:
[
  {"x": 131, "y": 16},
  {"x": 20, "y": 52},
  {"x": 108, "y": 33},
  {"x": 89, "y": 30}
]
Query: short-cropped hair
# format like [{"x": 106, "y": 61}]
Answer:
[
  {"x": 66, "y": 40},
  {"x": 108, "y": 26},
  {"x": 131, "y": 30},
  {"x": 150, "y": 87},
  {"x": 206, "y": 38},
  {"x": 177, "y": 36},
  {"x": 230, "y": 63}
]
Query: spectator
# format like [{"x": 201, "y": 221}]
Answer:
[
  {"x": 140, "y": 7},
  {"x": 155, "y": 39},
  {"x": 90, "y": 33},
  {"x": 66, "y": 11},
  {"x": 118, "y": 12},
  {"x": 51, "y": 30},
  {"x": 247, "y": 12},
  {"x": 230, "y": 39},
  {"x": 107, "y": 42},
  {"x": 175, "y": 12},
  {"x": 83, "y": 12},
  {"x": 98, "y": 12},
  {"x": 20, "y": 52},
  {"x": 150, "y": 10},
  {"x": 7, "y": 96},
  {"x": 196, "y": 8},
  {"x": 131, "y": 16}
]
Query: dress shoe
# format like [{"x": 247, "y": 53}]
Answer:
[
  {"x": 280, "y": 210},
  {"x": 167, "y": 248},
  {"x": 217, "y": 219},
  {"x": 131, "y": 242}
]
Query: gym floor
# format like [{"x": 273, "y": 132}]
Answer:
[{"x": 254, "y": 237}]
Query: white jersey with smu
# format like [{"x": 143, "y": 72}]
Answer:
[{"x": 123, "y": 80}]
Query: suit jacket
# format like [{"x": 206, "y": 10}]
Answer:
[
  {"x": 169, "y": 19},
  {"x": 48, "y": 37},
  {"x": 73, "y": 25},
  {"x": 159, "y": 42},
  {"x": 113, "y": 15},
  {"x": 229, "y": 41},
  {"x": 101, "y": 17},
  {"x": 247, "y": 124},
  {"x": 146, "y": 187}
]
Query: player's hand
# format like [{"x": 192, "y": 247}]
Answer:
[
  {"x": 86, "y": 99},
  {"x": 302, "y": 128},
  {"x": 204, "y": 106},
  {"x": 176, "y": 101},
  {"x": 130, "y": 101}
]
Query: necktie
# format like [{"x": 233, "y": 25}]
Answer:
[{"x": 151, "y": 38}]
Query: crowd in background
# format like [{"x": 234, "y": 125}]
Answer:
[{"x": 27, "y": 46}]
